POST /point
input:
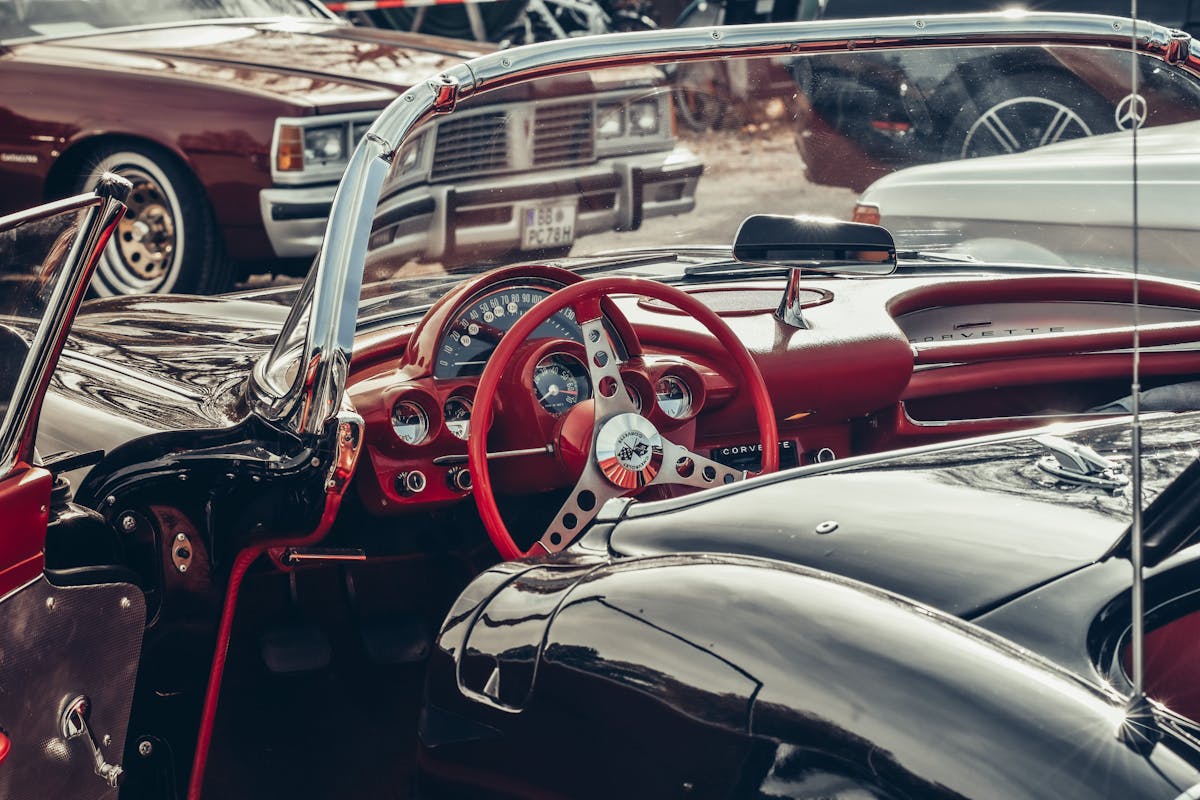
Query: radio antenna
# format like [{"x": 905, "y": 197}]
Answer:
[
  {"x": 1139, "y": 729},
  {"x": 1137, "y": 600}
]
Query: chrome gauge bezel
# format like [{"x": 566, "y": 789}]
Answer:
[
  {"x": 411, "y": 433},
  {"x": 674, "y": 408},
  {"x": 458, "y": 428}
]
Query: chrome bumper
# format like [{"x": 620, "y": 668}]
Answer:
[{"x": 478, "y": 219}]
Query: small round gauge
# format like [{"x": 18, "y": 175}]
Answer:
[
  {"x": 410, "y": 422},
  {"x": 674, "y": 397},
  {"x": 560, "y": 381},
  {"x": 458, "y": 416}
]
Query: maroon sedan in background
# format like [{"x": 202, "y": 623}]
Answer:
[{"x": 234, "y": 120}]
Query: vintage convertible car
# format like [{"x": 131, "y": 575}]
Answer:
[
  {"x": 499, "y": 536},
  {"x": 235, "y": 121}
]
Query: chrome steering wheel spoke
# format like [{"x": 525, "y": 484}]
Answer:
[
  {"x": 590, "y": 493},
  {"x": 680, "y": 465},
  {"x": 608, "y": 389}
]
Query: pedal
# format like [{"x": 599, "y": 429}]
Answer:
[
  {"x": 294, "y": 648},
  {"x": 393, "y": 640}
]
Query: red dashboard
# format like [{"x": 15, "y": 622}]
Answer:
[{"x": 883, "y": 363}]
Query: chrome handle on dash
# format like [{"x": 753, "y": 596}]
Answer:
[{"x": 297, "y": 555}]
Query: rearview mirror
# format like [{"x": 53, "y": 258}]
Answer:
[{"x": 821, "y": 244}]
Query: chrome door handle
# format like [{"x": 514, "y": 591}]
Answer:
[{"x": 73, "y": 724}]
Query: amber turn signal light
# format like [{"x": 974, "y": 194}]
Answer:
[
  {"x": 290, "y": 155},
  {"x": 865, "y": 212}
]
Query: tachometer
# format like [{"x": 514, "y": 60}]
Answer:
[
  {"x": 469, "y": 340},
  {"x": 560, "y": 381}
]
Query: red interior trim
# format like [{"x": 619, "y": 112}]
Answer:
[
  {"x": 1171, "y": 654},
  {"x": 5, "y": 746},
  {"x": 1052, "y": 369},
  {"x": 348, "y": 452},
  {"x": 1098, "y": 288},
  {"x": 20, "y": 574},
  {"x": 25, "y": 498}
]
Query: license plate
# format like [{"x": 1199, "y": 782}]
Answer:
[{"x": 551, "y": 225}]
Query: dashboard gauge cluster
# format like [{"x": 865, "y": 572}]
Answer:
[
  {"x": 678, "y": 392},
  {"x": 416, "y": 421},
  {"x": 423, "y": 406},
  {"x": 473, "y": 333}
]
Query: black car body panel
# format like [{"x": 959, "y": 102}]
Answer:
[
  {"x": 984, "y": 551},
  {"x": 160, "y": 363},
  {"x": 777, "y": 675}
]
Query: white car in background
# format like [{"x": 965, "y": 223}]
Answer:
[{"x": 1067, "y": 203}]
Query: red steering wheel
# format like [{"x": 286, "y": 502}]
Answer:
[{"x": 626, "y": 453}]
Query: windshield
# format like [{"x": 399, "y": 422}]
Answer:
[
  {"x": 21, "y": 19},
  {"x": 1003, "y": 154},
  {"x": 1001, "y": 157}
]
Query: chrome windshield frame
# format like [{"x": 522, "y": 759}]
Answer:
[
  {"x": 101, "y": 210},
  {"x": 316, "y": 391}
]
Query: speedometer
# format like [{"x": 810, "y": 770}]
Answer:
[{"x": 473, "y": 334}]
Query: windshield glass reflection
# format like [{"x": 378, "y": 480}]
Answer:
[{"x": 1004, "y": 154}]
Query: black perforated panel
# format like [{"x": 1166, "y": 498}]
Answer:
[{"x": 56, "y": 644}]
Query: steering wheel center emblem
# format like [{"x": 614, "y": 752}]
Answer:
[
  {"x": 633, "y": 450},
  {"x": 629, "y": 451},
  {"x": 1131, "y": 112}
]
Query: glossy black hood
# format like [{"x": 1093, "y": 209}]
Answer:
[
  {"x": 962, "y": 529},
  {"x": 140, "y": 365}
]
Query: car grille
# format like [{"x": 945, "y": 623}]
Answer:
[
  {"x": 563, "y": 135},
  {"x": 485, "y": 143},
  {"x": 476, "y": 143}
]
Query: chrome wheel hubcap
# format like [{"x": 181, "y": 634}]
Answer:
[{"x": 146, "y": 236}]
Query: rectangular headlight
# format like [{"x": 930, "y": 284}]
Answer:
[
  {"x": 610, "y": 120},
  {"x": 409, "y": 157},
  {"x": 645, "y": 118},
  {"x": 325, "y": 145},
  {"x": 307, "y": 149}
]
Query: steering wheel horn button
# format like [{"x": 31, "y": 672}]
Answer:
[{"x": 629, "y": 451}]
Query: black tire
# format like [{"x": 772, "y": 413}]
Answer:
[
  {"x": 699, "y": 110},
  {"x": 168, "y": 241},
  {"x": 697, "y": 90},
  {"x": 1021, "y": 112}
]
